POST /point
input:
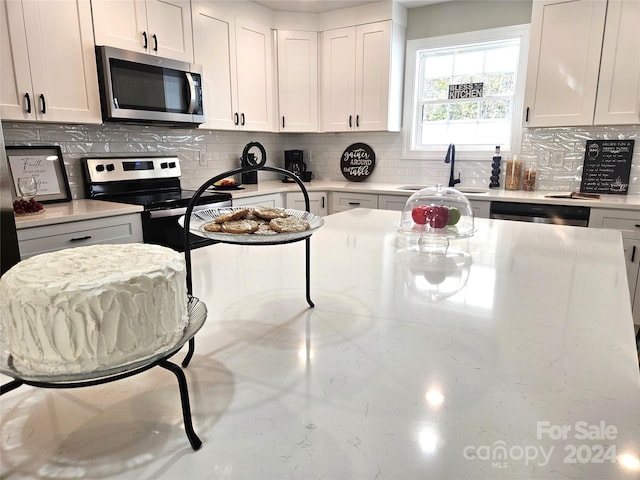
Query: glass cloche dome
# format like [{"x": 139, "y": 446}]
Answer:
[{"x": 437, "y": 212}]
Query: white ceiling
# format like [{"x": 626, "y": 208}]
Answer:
[{"x": 320, "y": 6}]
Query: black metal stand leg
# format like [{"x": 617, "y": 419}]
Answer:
[
  {"x": 7, "y": 387},
  {"x": 307, "y": 244},
  {"x": 187, "y": 358},
  {"x": 195, "y": 441}
]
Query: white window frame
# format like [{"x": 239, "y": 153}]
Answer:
[{"x": 463, "y": 152}]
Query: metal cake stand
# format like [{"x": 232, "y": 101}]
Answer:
[{"x": 197, "y": 312}]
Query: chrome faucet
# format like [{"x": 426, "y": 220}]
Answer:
[{"x": 451, "y": 158}]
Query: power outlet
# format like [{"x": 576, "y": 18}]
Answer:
[{"x": 556, "y": 159}]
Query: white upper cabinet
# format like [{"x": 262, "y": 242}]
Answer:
[
  {"x": 572, "y": 74},
  {"x": 618, "y": 99},
  {"x": 48, "y": 65},
  {"x": 297, "y": 81},
  {"x": 362, "y": 77},
  {"x": 156, "y": 27},
  {"x": 236, "y": 55}
]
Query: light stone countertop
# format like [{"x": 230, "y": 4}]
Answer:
[
  {"x": 75, "y": 210},
  {"x": 529, "y": 372},
  {"x": 631, "y": 202},
  {"x": 88, "y": 209}
]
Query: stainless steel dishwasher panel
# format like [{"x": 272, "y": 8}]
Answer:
[{"x": 541, "y": 213}]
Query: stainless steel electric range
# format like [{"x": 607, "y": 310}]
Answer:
[{"x": 153, "y": 183}]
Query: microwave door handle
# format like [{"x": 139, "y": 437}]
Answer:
[{"x": 192, "y": 93}]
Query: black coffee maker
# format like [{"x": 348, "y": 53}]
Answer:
[
  {"x": 249, "y": 178},
  {"x": 294, "y": 162}
]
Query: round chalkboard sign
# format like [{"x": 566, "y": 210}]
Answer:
[{"x": 357, "y": 162}]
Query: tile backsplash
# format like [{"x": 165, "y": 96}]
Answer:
[{"x": 205, "y": 153}]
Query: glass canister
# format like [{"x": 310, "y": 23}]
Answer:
[
  {"x": 513, "y": 173},
  {"x": 529, "y": 178}
]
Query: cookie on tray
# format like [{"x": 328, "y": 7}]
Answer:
[
  {"x": 289, "y": 225},
  {"x": 240, "y": 226},
  {"x": 212, "y": 227},
  {"x": 233, "y": 215},
  {"x": 269, "y": 213},
  {"x": 265, "y": 229}
]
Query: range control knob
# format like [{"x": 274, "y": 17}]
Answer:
[
  {"x": 100, "y": 168},
  {"x": 164, "y": 165},
  {"x": 172, "y": 164},
  {"x": 110, "y": 167}
]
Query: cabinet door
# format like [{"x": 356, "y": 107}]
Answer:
[
  {"x": 16, "y": 91},
  {"x": 373, "y": 44},
  {"x": 317, "y": 202},
  {"x": 121, "y": 23},
  {"x": 254, "y": 75},
  {"x": 619, "y": 84},
  {"x": 341, "y": 201},
  {"x": 169, "y": 29},
  {"x": 214, "y": 49},
  {"x": 564, "y": 59},
  {"x": 62, "y": 60},
  {"x": 298, "y": 81},
  {"x": 632, "y": 259},
  {"x": 269, "y": 200},
  {"x": 338, "y": 79},
  {"x": 116, "y": 229},
  {"x": 392, "y": 202}
]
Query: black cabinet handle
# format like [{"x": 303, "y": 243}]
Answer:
[
  {"x": 28, "y": 99},
  {"x": 526, "y": 118},
  {"x": 357, "y": 121},
  {"x": 633, "y": 254},
  {"x": 637, "y": 225},
  {"x": 78, "y": 239},
  {"x": 236, "y": 118},
  {"x": 283, "y": 121},
  {"x": 242, "y": 119},
  {"x": 146, "y": 42},
  {"x": 43, "y": 104},
  {"x": 350, "y": 125},
  {"x": 323, "y": 202},
  {"x": 354, "y": 203},
  {"x": 155, "y": 42}
]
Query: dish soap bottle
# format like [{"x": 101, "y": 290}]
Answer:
[{"x": 495, "y": 169}]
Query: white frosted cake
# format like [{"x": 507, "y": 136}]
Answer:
[{"x": 92, "y": 308}]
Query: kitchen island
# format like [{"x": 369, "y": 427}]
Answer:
[{"x": 529, "y": 370}]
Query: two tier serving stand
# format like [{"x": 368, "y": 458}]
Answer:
[{"x": 249, "y": 165}]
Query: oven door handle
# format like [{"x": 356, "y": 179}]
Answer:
[{"x": 176, "y": 212}]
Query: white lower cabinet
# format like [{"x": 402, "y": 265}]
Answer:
[
  {"x": 266, "y": 200},
  {"x": 481, "y": 209},
  {"x": 317, "y": 202},
  {"x": 341, "y": 201},
  {"x": 392, "y": 202},
  {"x": 628, "y": 222},
  {"x": 116, "y": 229}
]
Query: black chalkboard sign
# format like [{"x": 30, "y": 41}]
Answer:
[
  {"x": 607, "y": 165},
  {"x": 357, "y": 162}
]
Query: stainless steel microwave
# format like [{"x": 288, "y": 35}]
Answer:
[{"x": 136, "y": 87}]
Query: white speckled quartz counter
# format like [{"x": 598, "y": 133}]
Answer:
[
  {"x": 74, "y": 211},
  {"x": 606, "y": 201},
  {"x": 529, "y": 372}
]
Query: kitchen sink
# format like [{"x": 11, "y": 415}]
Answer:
[{"x": 460, "y": 189}]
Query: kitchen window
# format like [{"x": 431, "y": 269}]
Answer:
[{"x": 465, "y": 89}]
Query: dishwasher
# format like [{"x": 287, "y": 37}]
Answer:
[{"x": 540, "y": 213}]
